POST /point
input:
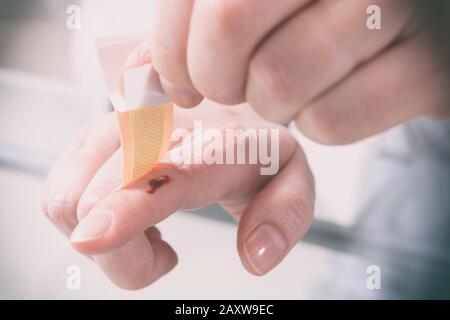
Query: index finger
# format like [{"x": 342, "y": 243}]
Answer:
[{"x": 128, "y": 212}]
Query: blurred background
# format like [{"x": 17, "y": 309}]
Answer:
[{"x": 383, "y": 201}]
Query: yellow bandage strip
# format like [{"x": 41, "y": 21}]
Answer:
[
  {"x": 145, "y": 114},
  {"x": 145, "y": 135}
]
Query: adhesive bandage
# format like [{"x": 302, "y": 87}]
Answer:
[{"x": 144, "y": 113}]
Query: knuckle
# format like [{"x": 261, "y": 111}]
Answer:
[
  {"x": 295, "y": 203},
  {"x": 297, "y": 215},
  {"x": 62, "y": 211},
  {"x": 269, "y": 75},
  {"x": 59, "y": 202},
  {"x": 228, "y": 18},
  {"x": 324, "y": 51},
  {"x": 92, "y": 196}
]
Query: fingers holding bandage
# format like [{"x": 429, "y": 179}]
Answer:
[
  {"x": 115, "y": 225},
  {"x": 166, "y": 189},
  {"x": 183, "y": 94},
  {"x": 144, "y": 112}
]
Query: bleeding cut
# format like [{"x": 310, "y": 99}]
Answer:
[{"x": 157, "y": 183}]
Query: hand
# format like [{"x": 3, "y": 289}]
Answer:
[
  {"x": 315, "y": 62},
  {"x": 117, "y": 227}
]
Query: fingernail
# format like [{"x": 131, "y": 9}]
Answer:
[
  {"x": 92, "y": 227},
  {"x": 264, "y": 247}
]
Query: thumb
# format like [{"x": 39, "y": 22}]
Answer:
[{"x": 278, "y": 217}]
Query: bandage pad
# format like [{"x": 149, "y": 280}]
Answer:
[
  {"x": 144, "y": 112},
  {"x": 145, "y": 135}
]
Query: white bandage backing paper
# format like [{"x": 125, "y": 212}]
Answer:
[{"x": 142, "y": 85}]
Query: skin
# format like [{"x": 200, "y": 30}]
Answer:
[
  {"x": 314, "y": 62},
  {"x": 81, "y": 197}
]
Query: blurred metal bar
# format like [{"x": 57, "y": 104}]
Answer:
[
  {"x": 372, "y": 247},
  {"x": 24, "y": 161}
]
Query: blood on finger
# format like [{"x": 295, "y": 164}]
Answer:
[{"x": 157, "y": 183}]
